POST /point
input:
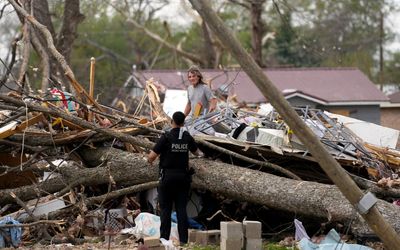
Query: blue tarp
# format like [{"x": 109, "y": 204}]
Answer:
[
  {"x": 332, "y": 241},
  {"x": 14, "y": 233},
  {"x": 192, "y": 223}
]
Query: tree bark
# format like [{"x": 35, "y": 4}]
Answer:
[
  {"x": 209, "y": 50},
  {"x": 300, "y": 197},
  {"x": 68, "y": 34},
  {"x": 26, "y": 51},
  {"x": 41, "y": 12},
  {"x": 70, "y": 137},
  {"x": 257, "y": 27},
  {"x": 257, "y": 30}
]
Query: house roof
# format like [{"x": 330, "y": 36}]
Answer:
[
  {"x": 395, "y": 97},
  {"x": 326, "y": 85}
]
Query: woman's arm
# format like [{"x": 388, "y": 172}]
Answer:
[{"x": 188, "y": 108}]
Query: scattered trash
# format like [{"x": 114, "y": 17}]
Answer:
[
  {"x": 147, "y": 225},
  {"x": 300, "y": 230}
]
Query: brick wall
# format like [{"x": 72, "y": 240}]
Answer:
[{"x": 390, "y": 117}]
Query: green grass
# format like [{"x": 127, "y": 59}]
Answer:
[
  {"x": 205, "y": 247},
  {"x": 269, "y": 246},
  {"x": 272, "y": 246}
]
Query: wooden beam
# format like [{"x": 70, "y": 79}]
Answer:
[{"x": 91, "y": 83}]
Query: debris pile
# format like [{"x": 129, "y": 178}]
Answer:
[{"x": 73, "y": 170}]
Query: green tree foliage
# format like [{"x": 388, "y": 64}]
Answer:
[
  {"x": 392, "y": 69},
  {"x": 117, "y": 46},
  {"x": 330, "y": 33},
  {"x": 299, "y": 33}
]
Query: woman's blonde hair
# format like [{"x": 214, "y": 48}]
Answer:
[{"x": 196, "y": 71}]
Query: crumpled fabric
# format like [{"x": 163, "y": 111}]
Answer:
[
  {"x": 300, "y": 231},
  {"x": 14, "y": 233}
]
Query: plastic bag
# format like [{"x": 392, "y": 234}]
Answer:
[{"x": 149, "y": 225}]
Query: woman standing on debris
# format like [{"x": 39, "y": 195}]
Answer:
[
  {"x": 175, "y": 177},
  {"x": 201, "y": 100}
]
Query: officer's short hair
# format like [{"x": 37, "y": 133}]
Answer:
[{"x": 179, "y": 118}]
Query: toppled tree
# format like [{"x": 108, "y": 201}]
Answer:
[
  {"x": 326, "y": 161},
  {"x": 118, "y": 168}
]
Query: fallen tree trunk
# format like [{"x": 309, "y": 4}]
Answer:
[
  {"x": 331, "y": 167},
  {"x": 46, "y": 139},
  {"x": 300, "y": 197}
]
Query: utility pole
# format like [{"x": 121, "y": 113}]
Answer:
[
  {"x": 331, "y": 167},
  {"x": 381, "y": 38}
]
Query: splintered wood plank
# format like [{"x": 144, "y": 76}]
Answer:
[
  {"x": 152, "y": 93},
  {"x": 21, "y": 127}
]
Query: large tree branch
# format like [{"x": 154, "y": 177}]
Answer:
[
  {"x": 82, "y": 94},
  {"x": 331, "y": 167},
  {"x": 247, "y": 159},
  {"x": 166, "y": 44},
  {"x": 108, "y": 51},
  {"x": 48, "y": 37}
]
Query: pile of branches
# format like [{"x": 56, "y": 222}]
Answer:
[
  {"x": 100, "y": 162},
  {"x": 95, "y": 155}
]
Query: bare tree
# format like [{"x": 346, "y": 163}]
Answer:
[
  {"x": 51, "y": 68},
  {"x": 255, "y": 7}
]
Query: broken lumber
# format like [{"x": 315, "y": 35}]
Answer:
[{"x": 83, "y": 123}]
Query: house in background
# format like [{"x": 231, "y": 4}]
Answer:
[
  {"x": 345, "y": 91},
  {"x": 390, "y": 112}
]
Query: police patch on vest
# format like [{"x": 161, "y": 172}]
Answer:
[{"x": 179, "y": 147}]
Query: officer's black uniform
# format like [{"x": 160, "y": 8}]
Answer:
[{"x": 173, "y": 148}]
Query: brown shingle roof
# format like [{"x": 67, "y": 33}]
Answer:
[
  {"x": 395, "y": 97},
  {"x": 330, "y": 85}
]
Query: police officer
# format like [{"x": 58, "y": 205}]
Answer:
[{"x": 173, "y": 148}]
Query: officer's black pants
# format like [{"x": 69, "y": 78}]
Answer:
[{"x": 174, "y": 189}]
